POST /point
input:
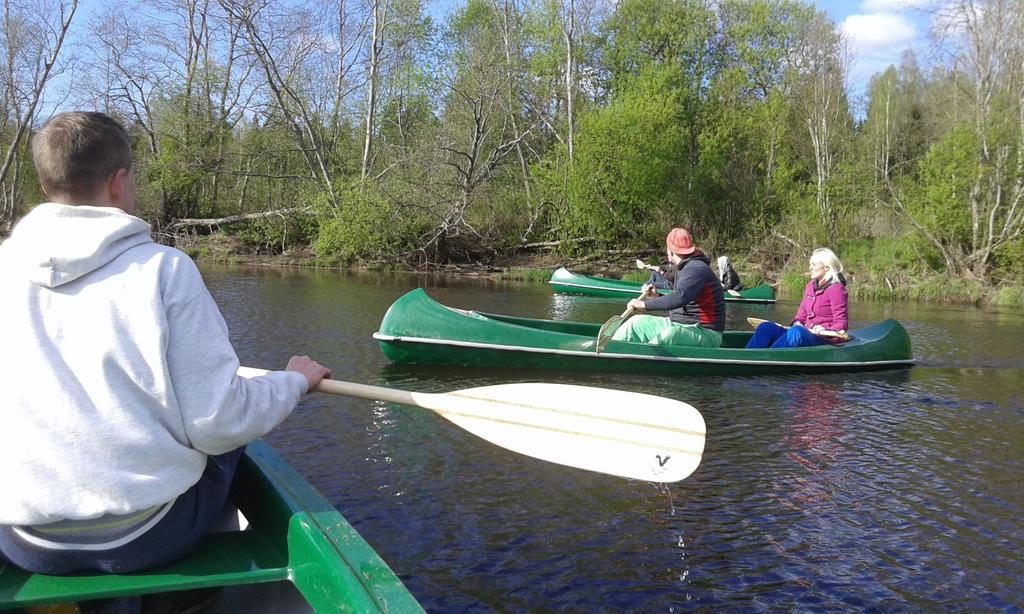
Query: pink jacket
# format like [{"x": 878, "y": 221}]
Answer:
[{"x": 825, "y": 306}]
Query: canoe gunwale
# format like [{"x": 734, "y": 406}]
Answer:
[
  {"x": 620, "y": 356},
  {"x": 563, "y": 280}
]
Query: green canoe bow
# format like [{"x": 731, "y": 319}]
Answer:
[
  {"x": 566, "y": 282},
  {"x": 418, "y": 330},
  {"x": 294, "y": 535}
]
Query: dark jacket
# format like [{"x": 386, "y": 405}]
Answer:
[
  {"x": 663, "y": 278},
  {"x": 697, "y": 296},
  {"x": 731, "y": 279}
]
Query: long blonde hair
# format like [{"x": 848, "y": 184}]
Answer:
[{"x": 828, "y": 258}]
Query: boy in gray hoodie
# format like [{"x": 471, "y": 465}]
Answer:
[{"x": 122, "y": 416}]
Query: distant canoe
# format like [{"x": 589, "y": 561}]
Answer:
[
  {"x": 566, "y": 282},
  {"x": 418, "y": 330}
]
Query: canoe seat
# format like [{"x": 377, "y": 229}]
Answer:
[{"x": 222, "y": 559}]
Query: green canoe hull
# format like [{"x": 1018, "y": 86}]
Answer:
[
  {"x": 418, "y": 330},
  {"x": 294, "y": 535},
  {"x": 565, "y": 282}
]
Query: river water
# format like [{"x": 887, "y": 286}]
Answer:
[{"x": 895, "y": 490}]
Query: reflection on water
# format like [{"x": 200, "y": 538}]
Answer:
[
  {"x": 895, "y": 490},
  {"x": 812, "y": 439}
]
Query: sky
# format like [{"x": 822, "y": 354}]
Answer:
[{"x": 879, "y": 31}]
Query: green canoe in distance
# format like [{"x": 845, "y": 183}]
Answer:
[
  {"x": 295, "y": 538},
  {"x": 566, "y": 282},
  {"x": 418, "y": 330}
]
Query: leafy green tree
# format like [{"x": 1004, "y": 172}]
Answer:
[
  {"x": 625, "y": 185},
  {"x": 679, "y": 35}
]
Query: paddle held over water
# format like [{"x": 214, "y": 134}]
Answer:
[{"x": 626, "y": 434}]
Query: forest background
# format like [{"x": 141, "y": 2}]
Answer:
[{"x": 369, "y": 132}]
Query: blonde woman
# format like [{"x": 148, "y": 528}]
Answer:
[{"x": 823, "y": 308}]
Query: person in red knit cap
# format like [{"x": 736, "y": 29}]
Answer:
[{"x": 696, "y": 305}]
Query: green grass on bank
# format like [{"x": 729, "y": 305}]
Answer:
[{"x": 541, "y": 275}]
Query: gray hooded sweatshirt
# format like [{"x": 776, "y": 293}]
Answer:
[{"x": 118, "y": 378}]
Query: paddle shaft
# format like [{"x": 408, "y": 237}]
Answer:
[
  {"x": 350, "y": 389},
  {"x": 365, "y": 391}
]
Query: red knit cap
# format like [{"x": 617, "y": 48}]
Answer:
[{"x": 680, "y": 242}]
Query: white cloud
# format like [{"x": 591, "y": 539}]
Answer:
[
  {"x": 877, "y": 41},
  {"x": 893, "y": 6},
  {"x": 879, "y": 32}
]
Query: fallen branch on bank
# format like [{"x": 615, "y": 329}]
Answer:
[
  {"x": 550, "y": 244},
  {"x": 230, "y": 219}
]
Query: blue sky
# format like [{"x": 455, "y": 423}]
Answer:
[{"x": 879, "y": 31}]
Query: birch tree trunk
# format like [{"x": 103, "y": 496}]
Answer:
[{"x": 379, "y": 21}]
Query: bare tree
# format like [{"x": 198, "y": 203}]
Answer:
[
  {"x": 473, "y": 149},
  {"x": 822, "y": 62},
  {"x": 478, "y": 133},
  {"x": 290, "y": 46},
  {"x": 986, "y": 39},
  {"x": 33, "y": 36},
  {"x": 174, "y": 70},
  {"x": 509, "y": 24},
  {"x": 379, "y": 18}
]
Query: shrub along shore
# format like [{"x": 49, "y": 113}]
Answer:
[{"x": 869, "y": 278}]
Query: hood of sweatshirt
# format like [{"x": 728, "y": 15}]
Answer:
[{"x": 56, "y": 244}]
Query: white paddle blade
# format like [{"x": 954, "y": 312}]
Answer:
[{"x": 620, "y": 433}]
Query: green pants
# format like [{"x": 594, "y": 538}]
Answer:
[{"x": 659, "y": 330}]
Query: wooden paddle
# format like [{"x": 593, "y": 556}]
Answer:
[
  {"x": 845, "y": 336},
  {"x": 604, "y": 334},
  {"x": 626, "y": 434},
  {"x": 640, "y": 264}
]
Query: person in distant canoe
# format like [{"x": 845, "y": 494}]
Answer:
[
  {"x": 728, "y": 275},
  {"x": 696, "y": 304},
  {"x": 663, "y": 276},
  {"x": 823, "y": 308},
  {"x": 122, "y": 418}
]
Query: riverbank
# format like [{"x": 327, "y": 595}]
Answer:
[{"x": 867, "y": 280}]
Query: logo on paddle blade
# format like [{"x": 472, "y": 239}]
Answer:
[{"x": 661, "y": 469}]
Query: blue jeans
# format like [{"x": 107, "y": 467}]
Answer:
[
  {"x": 658, "y": 280},
  {"x": 175, "y": 535},
  {"x": 771, "y": 335}
]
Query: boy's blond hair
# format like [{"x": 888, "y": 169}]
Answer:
[{"x": 76, "y": 153}]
